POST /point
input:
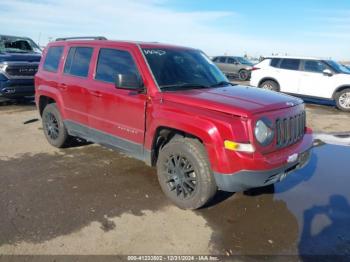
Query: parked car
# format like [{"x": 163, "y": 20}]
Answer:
[
  {"x": 19, "y": 60},
  {"x": 234, "y": 66},
  {"x": 172, "y": 108},
  {"x": 305, "y": 77}
]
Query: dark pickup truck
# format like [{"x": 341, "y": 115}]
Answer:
[{"x": 19, "y": 60}]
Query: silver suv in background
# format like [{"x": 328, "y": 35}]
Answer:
[{"x": 234, "y": 66}]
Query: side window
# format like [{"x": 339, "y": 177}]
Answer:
[
  {"x": 222, "y": 59},
  {"x": 275, "y": 62},
  {"x": 290, "y": 64},
  {"x": 78, "y": 61},
  {"x": 216, "y": 59},
  {"x": 314, "y": 66},
  {"x": 112, "y": 62},
  {"x": 52, "y": 59},
  {"x": 231, "y": 60}
]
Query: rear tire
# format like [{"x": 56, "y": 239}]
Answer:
[
  {"x": 270, "y": 85},
  {"x": 184, "y": 173},
  {"x": 54, "y": 128},
  {"x": 243, "y": 75},
  {"x": 343, "y": 100}
]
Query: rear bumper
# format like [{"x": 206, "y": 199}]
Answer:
[
  {"x": 246, "y": 179},
  {"x": 12, "y": 88}
]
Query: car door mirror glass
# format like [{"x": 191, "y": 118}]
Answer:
[{"x": 128, "y": 81}]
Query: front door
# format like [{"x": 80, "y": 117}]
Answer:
[
  {"x": 116, "y": 116},
  {"x": 314, "y": 82}
]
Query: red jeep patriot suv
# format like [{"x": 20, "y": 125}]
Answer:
[{"x": 172, "y": 108}]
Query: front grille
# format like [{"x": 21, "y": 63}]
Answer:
[
  {"x": 290, "y": 130},
  {"x": 22, "y": 70}
]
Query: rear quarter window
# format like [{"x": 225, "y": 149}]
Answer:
[
  {"x": 52, "y": 59},
  {"x": 275, "y": 62}
]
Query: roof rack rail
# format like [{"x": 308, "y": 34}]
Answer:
[{"x": 81, "y": 38}]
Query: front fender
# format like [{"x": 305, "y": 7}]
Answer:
[{"x": 212, "y": 132}]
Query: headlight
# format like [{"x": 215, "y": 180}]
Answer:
[
  {"x": 3, "y": 67},
  {"x": 263, "y": 132}
]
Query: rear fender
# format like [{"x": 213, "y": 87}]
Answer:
[{"x": 54, "y": 94}]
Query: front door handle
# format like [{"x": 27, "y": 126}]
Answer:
[{"x": 95, "y": 93}]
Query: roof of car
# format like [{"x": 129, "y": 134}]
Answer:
[
  {"x": 13, "y": 36},
  {"x": 297, "y": 57},
  {"x": 122, "y": 42}
]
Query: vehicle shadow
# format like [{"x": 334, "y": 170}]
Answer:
[
  {"x": 332, "y": 240},
  {"x": 219, "y": 197},
  {"x": 252, "y": 223}
]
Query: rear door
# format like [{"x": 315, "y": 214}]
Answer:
[
  {"x": 220, "y": 61},
  {"x": 232, "y": 66},
  {"x": 313, "y": 81},
  {"x": 74, "y": 84},
  {"x": 116, "y": 116},
  {"x": 288, "y": 75}
]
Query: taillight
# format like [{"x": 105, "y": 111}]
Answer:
[{"x": 255, "y": 68}]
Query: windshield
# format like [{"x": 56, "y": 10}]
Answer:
[
  {"x": 339, "y": 68},
  {"x": 181, "y": 68},
  {"x": 243, "y": 61},
  {"x": 18, "y": 45}
]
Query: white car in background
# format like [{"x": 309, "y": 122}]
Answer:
[{"x": 305, "y": 77}]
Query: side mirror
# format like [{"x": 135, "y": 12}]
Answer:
[
  {"x": 129, "y": 81},
  {"x": 327, "y": 72}
]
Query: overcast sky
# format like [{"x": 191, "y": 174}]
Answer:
[{"x": 258, "y": 27}]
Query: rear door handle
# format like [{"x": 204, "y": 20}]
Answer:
[
  {"x": 95, "y": 93},
  {"x": 62, "y": 87}
]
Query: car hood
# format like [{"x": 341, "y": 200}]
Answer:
[
  {"x": 20, "y": 57},
  {"x": 236, "y": 100}
]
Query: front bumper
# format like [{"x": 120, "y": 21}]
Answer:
[
  {"x": 246, "y": 179},
  {"x": 13, "y": 88}
]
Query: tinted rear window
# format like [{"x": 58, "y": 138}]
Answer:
[
  {"x": 231, "y": 60},
  {"x": 221, "y": 59},
  {"x": 78, "y": 61},
  {"x": 275, "y": 62},
  {"x": 290, "y": 64},
  {"x": 52, "y": 59},
  {"x": 112, "y": 62}
]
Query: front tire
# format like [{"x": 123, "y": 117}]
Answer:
[
  {"x": 54, "y": 128},
  {"x": 269, "y": 85},
  {"x": 343, "y": 100},
  {"x": 184, "y": 173}
]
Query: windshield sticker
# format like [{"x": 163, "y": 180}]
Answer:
[{"x": 154, "y": 52}]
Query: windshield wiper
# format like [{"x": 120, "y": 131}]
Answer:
[
  {"x": 186, "y": 85},
  {"x": 196, "y": 86},
  {"x": 222, "y": 83}
]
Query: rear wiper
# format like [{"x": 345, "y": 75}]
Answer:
[{"x": 222, "y": 83}]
